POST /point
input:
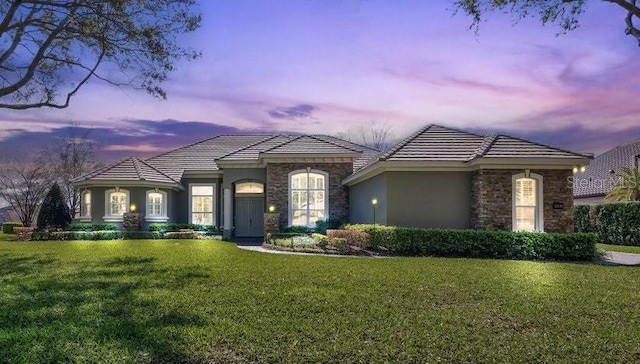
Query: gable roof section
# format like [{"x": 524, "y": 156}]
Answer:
[
  {"x": 201, "y": 156},
  {"x": 504, "y": 146},
  {"x": 595, "y": 181},
  {"x": 309, "y": 144},
  {"x": 130, "y": 169},
  {"x": 252, "y": 152}
]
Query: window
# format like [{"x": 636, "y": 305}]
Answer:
[
  {"x": 85, "y": 205},
  {"x": 202, "y": 204},
  {"x": 156, "y": 206},
  {"x": 307, "y": 197},
  {"x": 527, "y": 203},
  {"x": 116, "y": 204},
  {"x": 249, "y": 187}
]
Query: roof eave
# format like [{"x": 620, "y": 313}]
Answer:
[{"x": 128, "y": 183}]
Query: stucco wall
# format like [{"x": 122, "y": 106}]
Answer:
[
  {"x": 492, "y": 199},
  {"x": 360, "y": 196},
  {"x": 278, "y": 187},
  {"x": 429, "y": 199}
]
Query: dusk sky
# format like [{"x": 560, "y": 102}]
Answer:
[{"x": 323, "y": 66}]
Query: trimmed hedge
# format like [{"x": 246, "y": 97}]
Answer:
[
  {"x": 480, "y": 243},
  {"x": 171, "y": 227},
  {"x": 352, "y": 237},
  {"x": 614, "y": 223},
  {"x": 92, "y": 235},
  {"x": 92, "y": 227},
  {"x": 8, "y": 226}
]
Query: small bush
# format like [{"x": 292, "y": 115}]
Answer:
[
  {"x": 619, "y": 223},
  {"x": 323, "y": 225},
  {"x": 23, "y": 233},
  {"x": 171, "y": 227},
  {"x": 92, "y": 227},
  {"x": 481, "y": 243},
  {"x": 339, "y": 243},
  {"x": 297, "y": 230},
  {"x": 8, "y": 226},
  {"x": 356, "y": 238},
  {"x": 321, "y": 240},
  {"x": 133, "y": 235}
]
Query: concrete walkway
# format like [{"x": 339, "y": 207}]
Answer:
[{"x": 616, "y": 258}]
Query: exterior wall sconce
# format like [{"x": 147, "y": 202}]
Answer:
[
  {"x": 132, "y": 208},
  {"x": 272, "y": 208}
]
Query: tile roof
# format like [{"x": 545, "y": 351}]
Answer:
[
  {"x": 252, "y": 151},
  {"x": 130, "y": 169},
  {"x": 504, "y": 146},
  {"x": 309, "y": 144},
  {"x": 595, "y": 181},
  {"x": 201, "y": 156}
]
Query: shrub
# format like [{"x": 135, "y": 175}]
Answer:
[
  {"x": 92, "y": 227},
  {"x": 23, "y": 233},
  {"x": 323, "y": 225},
  {"x": 171, "y": 227},
  {"x": 619, "y": 223},
  {"x": 339, "y": 243},
  {"x": 141, "y": 235},
  {"x": 54, "y": 212},
  {"x": 353, "y": 237},
  {"x": 582, "y": 219},
  {"x": 321, "y": 240},
  {"x": 8, "y": 226},
  {"x": 481, "y": 243},
  {"x": 297, "y": 230}
]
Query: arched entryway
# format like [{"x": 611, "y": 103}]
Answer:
[{"x": 249, "y": 209}]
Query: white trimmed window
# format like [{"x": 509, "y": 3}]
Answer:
[
  {"x": 527, "y": 203},
  {"x": 85, "y": 206},
  {"x": 202, "y": 204},
  {"x": 156, "y": 206},
  {"x": 308, "y": 193},
  {"x": 116, "y": 204}
]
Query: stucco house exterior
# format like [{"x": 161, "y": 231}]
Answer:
[
  {"x": 438, "y": 177},
  {"x": 598, "y": 178}
]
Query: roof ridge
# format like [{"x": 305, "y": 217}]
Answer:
[
  {"x": 403, "y": 142},
  {"x": 135, "y": 161},
  {"x": 348, "y": 141},
  {"x": 588, "y": 155},
  {"x": 459, "y": 130},
  {"x": 488, "y": 141},
  {"x": 333, "y": 143},
  {"x": 101, "y": 169},
  {"x": 279, "y": 145},
  {"x": 248, "y": 146},
  {"x": 158, "y": 170}
]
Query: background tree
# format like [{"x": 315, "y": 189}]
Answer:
[
  {"x": 71, "y": 157},
  {"x": 627, "y": 185},
  {"x": 23, "y": 185},
  {"x": 50, "y": 48},
  {"x": 564, "y": 13},
  {"x": 54, "y": 212},
  {"x": 374, "y": 135}
]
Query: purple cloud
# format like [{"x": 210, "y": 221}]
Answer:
[{"x": 300, "y": 111}]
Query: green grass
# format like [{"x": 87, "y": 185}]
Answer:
[
  {"x": 198, "y": 301},
  {"x": 620, "y": 248}
]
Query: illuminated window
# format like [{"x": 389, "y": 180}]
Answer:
[
  {"x": 307, "y": 197},
  {"x": 85, "y": 208},
  {"x": 116, "y": 204},
  {"x": 156, "y": 206},
  {"x": 249, "y": 187},
  {"x": 202, "y": 198},
  {"x": 527, "y": 203}
]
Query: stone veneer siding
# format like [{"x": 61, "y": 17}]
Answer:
[
  {"x": 278, "y": 187},
  {"x": 491, "y": 195}
]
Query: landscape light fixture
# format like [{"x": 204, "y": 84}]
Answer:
[{"x": 374, "y": 202}]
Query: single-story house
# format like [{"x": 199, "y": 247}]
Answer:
[
  {"x": 598, "y": 179},
  {"x": 438, "y": 177}
]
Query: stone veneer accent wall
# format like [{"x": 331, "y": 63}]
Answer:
[
  {"x": 491, "y": 195},
  {"x": 278, "y": 187}
]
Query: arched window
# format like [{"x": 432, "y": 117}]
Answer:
[
  {"x": 116, "y": 204},
  {"x": 249, "y": 188},
  {"x": 527, "y": 202},
  {"x": 156, "y": 206},
  {"x": 308, "y": 194}
]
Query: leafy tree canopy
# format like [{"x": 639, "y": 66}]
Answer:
[
  {"x": 50, "y": 48},
  {"x": 564, "y": 13}
]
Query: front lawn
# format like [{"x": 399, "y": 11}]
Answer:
[
  {"x": 620, "y": 248},
  {"x": 198, "y": 301}
]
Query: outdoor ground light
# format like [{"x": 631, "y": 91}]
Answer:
[{"x": 374, "y": 202}]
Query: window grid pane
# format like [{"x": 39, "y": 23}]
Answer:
[
  {"x": 525, "y": 204},
  {"x": 307, "y": 204},
  {"x": 202, "y": 205}
]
